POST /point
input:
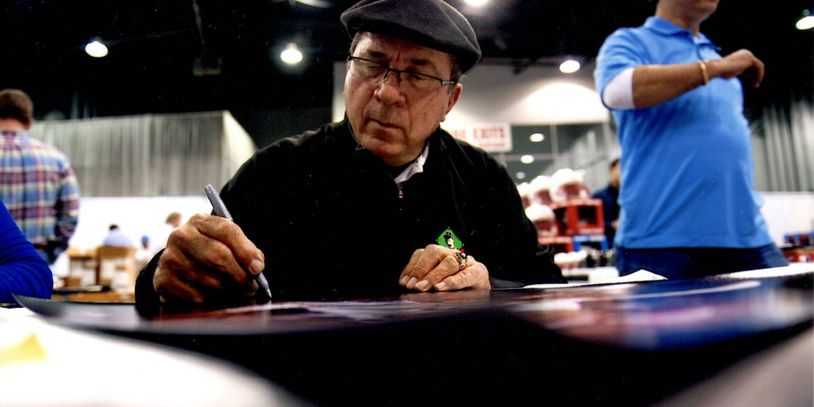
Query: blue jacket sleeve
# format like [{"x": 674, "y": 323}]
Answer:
[{"x": 22, "y": 270}]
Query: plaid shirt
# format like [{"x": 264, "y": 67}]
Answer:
[{"x": 39, "y": 188}]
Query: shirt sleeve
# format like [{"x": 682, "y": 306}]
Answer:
[
  {"x": 67, "y": 205},
  {"x": 619, "y": 92},
  {"x": 621, "y": 50},
  {"x": 22, "y": 270}
]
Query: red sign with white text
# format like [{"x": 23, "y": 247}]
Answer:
[{"x": 492, "y": 137}]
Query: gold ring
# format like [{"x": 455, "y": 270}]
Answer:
[{"x": 461, "y": 256}]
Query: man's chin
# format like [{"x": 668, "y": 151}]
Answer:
[
  {"x": 378, "y": 140},
  {"x": 385, "y": 133},
  {"x": 388, "y": 152},
  {"x": 383, "y": 150}
]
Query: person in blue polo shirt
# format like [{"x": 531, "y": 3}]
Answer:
[{"x": 688, "y": 205}]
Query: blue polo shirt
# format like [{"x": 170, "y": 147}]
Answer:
[{"x": 686, "y": 164}]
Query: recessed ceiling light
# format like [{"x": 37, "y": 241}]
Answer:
[
  {"x": 291, "y": 54},
  {"x": 806, "y": 22},
  {"x": 527, "y": 159},
  {"x": 537, "y": 137},
  {"x": 569, "y": 66},
  {"x": 96, "y": 49}
]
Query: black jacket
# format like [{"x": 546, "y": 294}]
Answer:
[{"x": 329, "y": 218}]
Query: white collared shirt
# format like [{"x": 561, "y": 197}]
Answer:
[{"x": 416, "y": 167}]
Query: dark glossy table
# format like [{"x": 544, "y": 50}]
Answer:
[{"x": 629, "y": 344}]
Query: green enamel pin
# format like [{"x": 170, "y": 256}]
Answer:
[{"x": 448, "y": 239}]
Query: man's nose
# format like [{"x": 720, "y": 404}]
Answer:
[
  {"x": 390, "y": 91},
  {"x": 395, "y": 74}
]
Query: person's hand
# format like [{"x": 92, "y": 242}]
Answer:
[
  {"x": 738, "y": 63},
  {"x": 436, "y": 267},
  {"x": 208, "y": 261}
]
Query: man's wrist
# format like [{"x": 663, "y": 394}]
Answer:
[{"x": 702, "y": 65}]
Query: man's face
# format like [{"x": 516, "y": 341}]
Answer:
[
  {"x": 615, "y": 178},
  {"x": 706, "y": 7},
  {"x": 387, "y": 117},
  {"x": 698, "y": 9}
]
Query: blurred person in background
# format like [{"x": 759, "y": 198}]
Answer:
[
  {"x": 159, "y": 239},
  {"x": 116, "y": 237},
  {"x": 610, "y": 201},
  {"x": 37, "y": 182},
  {"x": 143, "y": 253},
  {"x": 688, "y": 207}
]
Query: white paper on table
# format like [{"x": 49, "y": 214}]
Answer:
[{"x": 637, "y": 277}]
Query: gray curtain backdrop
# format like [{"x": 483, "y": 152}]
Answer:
[
  {"x": 150, "y": 155},
  {"x": 783, "y": 148}
]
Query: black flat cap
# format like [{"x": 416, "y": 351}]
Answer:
[{"x": 431, "y": 23}]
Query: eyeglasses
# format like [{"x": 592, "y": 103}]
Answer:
[{"x": 375, "y": 72}]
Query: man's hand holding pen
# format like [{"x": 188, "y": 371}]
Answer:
[{"x": 208, "y": 260}]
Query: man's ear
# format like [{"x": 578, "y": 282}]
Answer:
[{"x": 454, "y": 95}]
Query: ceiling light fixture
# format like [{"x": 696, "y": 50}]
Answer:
[
  {"x": 476, "y": 3},
  {"x": 806, "y": 22},
  {"x": 291, "y": 55},
  {"x": 537, "y": 137},
  {"x": 527, "y": 159},
  {"x": 96, "y": 48},
  {"x": 570, "y": 65}
]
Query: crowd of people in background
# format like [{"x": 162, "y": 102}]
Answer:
[
  {"x": 149, "y": 244},
  {"x": 39, "y": 206},
  {"x": 545, "y": 198},
  {"x": 151, "y": 241}
]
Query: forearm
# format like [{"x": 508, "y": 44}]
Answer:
[
  {"x": 32, "y": 278},
  {"x": 656, "y": 84},
  {"x": 67, "y": 207},
  {"x": 65, "y": 228},
  {"x": 67, "y": 218},
  {"x": 22, "y": 270}
]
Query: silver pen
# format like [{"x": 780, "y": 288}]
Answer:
[{"x": 220, "y": 209}]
